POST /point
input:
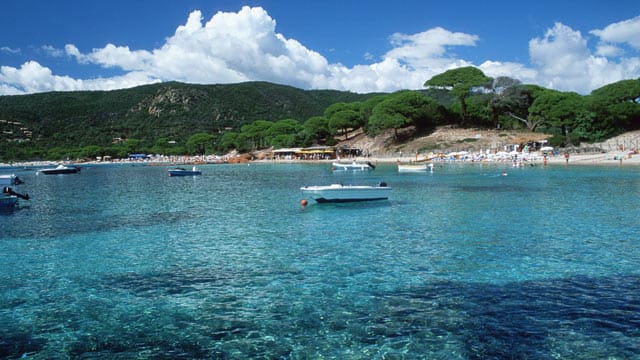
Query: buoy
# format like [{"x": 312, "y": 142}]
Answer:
[{"x": 303, "y": 202}]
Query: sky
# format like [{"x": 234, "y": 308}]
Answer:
[{"x": 350, "y": 45}]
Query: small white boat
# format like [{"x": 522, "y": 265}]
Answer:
[
  {"x": 415, "y": 167},
  {"x": 184, "y": 172},
  {"x": 61, "y": 169},
  {"x": 354, "y": 166},
  {"x": 347, "y": 193}
]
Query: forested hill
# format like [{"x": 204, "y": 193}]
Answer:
[{"x": 168, "y": 110}]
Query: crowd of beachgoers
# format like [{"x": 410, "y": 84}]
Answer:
[{"x": 628, "y": 157}]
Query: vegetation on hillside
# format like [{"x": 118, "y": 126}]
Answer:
[
  {"x": 158, "y": 118},
  {"x": 175, "y": 118}
]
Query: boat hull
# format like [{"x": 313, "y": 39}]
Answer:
[
  {"x": 61, "y": 170},
  {"x": 337, "y": 193},
  {"x": 354, "y": 166},
  {"x": 8, "y": 202},
  {"x": 179, "y": 172},
  {"x": 412, "y": 168}
]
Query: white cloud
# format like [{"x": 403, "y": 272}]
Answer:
[
  {"x": 240, "y": 46},
  {"x": 9, "y": 50},
  {"x": 243, "y": 46},
  {"x": 564, "y": 62},
  {"x": 608, "y": 50},
  {"x": 627, "y": 31},
  {"x": 32, "y": 77},
  {"x": 562, "y": 57},
  {"x": 52, "y": 51},
  {"x": 514, "y": 70},
  {"x": 429, "y": 49}
]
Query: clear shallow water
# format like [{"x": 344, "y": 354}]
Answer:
[{"x": 126, "y": 262}]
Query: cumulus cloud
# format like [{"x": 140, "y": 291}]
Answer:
[
  {"x": 564, "y": 62},
  {"x": 627, "y": 31},
  {"x": 242, "y": 46},
  {"x": 32, "y": 77},
  {"x": 428, "y": 49},
  {"x": 513, "y": 70},
  {"x": 608, "y": 50}
]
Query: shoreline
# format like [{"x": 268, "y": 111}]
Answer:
[{"x": 600, "y": 159}]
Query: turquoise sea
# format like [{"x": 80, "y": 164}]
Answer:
[{"x": 125, "y": 262}]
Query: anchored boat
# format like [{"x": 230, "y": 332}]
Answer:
[
  {"x": 354, "y": 166},
  {"x": 184, "y": 172},
  {"x": 415, "y": 167},
  {"x": 61, "y": 169},
  {"x": 347, "y": 193}
]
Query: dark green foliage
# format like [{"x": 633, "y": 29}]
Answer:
[
  {"x": 172, "y": 111},
  {"x": 618, "y": 105},
  {"x": 199, "y": 143},
  {"x": 285, "y": 133},
  {"x": 315, "y": 129},
  {"x": 462, "y": 82},
  {"x": 405, "y": 108},
  {"x": 176, "y": 119},
  {"x": 344, "y": 117}
]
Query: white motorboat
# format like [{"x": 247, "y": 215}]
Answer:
[
  {"x": 354, "y": 166},
  {"x": 347, "y": 193},
  {"x": 415, "y": 167},
  {"x": 61, "y": 169},
  {"x": 184, "y": 172}
]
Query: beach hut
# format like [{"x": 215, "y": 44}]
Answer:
[
  {"x": 285, "y": 153},
  {"x": 318, "y": 152}
]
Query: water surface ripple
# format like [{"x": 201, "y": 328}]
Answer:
[{"x": 462, "y": 263}]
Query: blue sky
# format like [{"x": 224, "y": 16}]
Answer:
[{"x": 360, "y": 46}]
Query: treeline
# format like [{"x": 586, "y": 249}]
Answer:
[
  {"x": 464, "y": 97},
  {"x": 158, "y": 118},
  {"x": 194, "y": 119}
]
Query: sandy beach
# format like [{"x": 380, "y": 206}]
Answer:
[
  {"x": 614, "y": 158},
  {"x": 604, "y": 159},
  {"x": 610, "y": 158}
]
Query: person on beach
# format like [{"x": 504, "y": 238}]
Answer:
[{"x": 566, "y": 156}]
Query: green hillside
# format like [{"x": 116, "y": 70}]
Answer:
[
  {"x": 33, "y": 124},
  {"x": 177, "y": 119}
]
